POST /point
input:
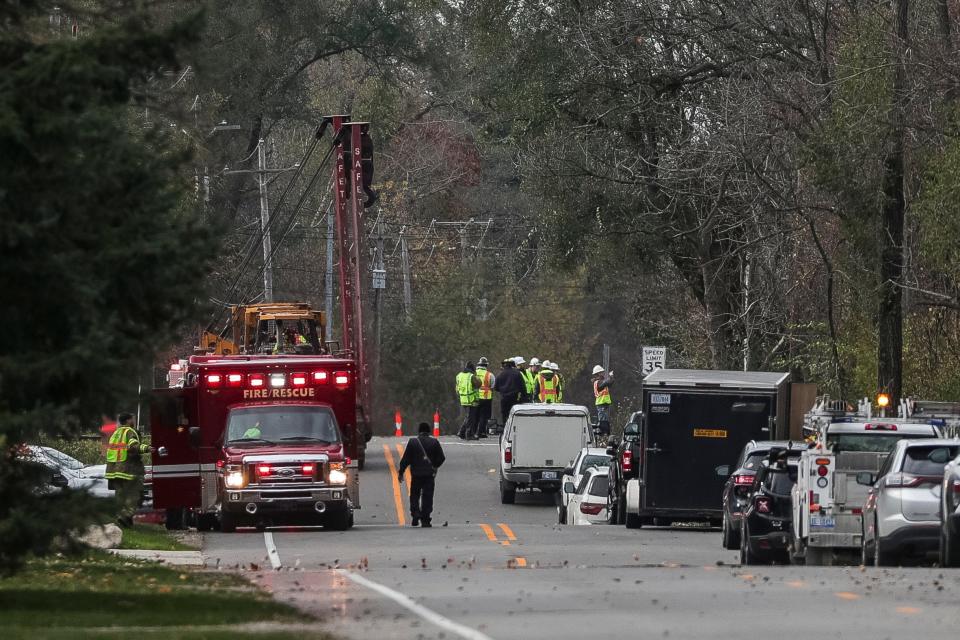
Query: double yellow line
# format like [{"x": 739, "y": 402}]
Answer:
[
  {"x": 397, "y": 495},
  {"x": 509, "y": 537}
]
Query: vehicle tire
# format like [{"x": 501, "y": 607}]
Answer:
[
  {"x": 561, "y": 514},
  {"x": 747, "y": 557},
  {"x": 174, "y": 520},
  {"x": 622, "y": 509},
  {"x": 881, "y": 556},
  {"x": 228, "y": 523},
  {"x": 206, "y": 522},
  {"x": 361, "y": 462},
  {"x": 731, "y": 536},
  {"x": 949, "y": 549},
  {"x": 338, "y": 520},
  {"x": 633, "y": 521},
  {"x": 508, "y": 492},
  {"x": 865, "y": 559}
]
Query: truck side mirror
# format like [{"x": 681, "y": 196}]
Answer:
[
  {"x": 723, "y": 470},
  {"x": 193, "y": 433},
  {"x": 866, "y": 478},
  {"x": 568, "y": 487}
]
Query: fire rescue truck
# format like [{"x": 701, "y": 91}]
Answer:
[{"x": 827, "y": 500}]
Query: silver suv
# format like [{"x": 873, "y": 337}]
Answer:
[
  {"x": 950, "y": 515},
  {"x": 901, "y": 516}
]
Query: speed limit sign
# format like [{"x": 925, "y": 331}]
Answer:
[{"x": 653, "y": 358}]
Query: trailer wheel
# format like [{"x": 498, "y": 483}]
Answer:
[
  {"x": 228, "y": 522},
  {"x": 633, "y": 521},
  {"x": 508, "y": 492}
]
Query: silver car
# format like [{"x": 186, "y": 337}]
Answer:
[
  {"x": 901, "y": 516},
  {"x": 950, "y": 515}
]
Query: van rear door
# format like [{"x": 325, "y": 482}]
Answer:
[{"x": 543, "y": 440}]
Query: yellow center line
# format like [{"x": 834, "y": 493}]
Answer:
[
  {"x": 846, "y": 595},
  {"x": 406, "y": 475},
  {"x": 797, "y": 584},
  {"x": 521, "y": 561},
  {"x": 507, "y": 531},
  {"x": 487, "y": 529},
  {"x": 398, "y": 501},
  {"x": 908, "y": 610}
]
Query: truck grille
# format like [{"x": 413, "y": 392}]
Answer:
[{"x": 284, "y": 474}]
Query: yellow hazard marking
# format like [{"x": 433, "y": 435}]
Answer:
[
  {"x": 908, "y": 610},
  {"x": 487, "y": 529},
  {"x": 846, "y": 595},
  {"x": 522, "y": 562},
  {"x": 709, "y": 433},
  {"x": 797, "y": 584},
  {"x": 398, "y": 501},
  {"x": 507, "y": 531}
]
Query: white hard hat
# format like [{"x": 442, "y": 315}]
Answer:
[
  {"x": 545, "y": 364},
  {"x": 554, "y": 366},
  {"x": 597, "y": 369},
  {"x": 534, "y": 362},
  {"x": 519, "y": 360}
]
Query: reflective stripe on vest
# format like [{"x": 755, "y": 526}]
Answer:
[
  {"x": 548, "y": 389},
  {"x": 120, "y": 442},
  {"x": 602, "y": 395},
  {"x": 468, "y": 395},
  {"x": 486, "y": 392}
]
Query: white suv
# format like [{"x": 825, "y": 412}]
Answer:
[
  {"x": 901, "y": 516},
  {"x": 589, "y": 458},
  {"x": 950, "y": 515}
]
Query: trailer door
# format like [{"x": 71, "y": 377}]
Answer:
[
  {"x": 690, "y": 434},
  {"x": 176, "y": 457}
]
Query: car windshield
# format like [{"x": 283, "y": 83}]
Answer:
[
  {"x": 282, "y": 424},
  {"x": 594, "y": 461},
  {"x": 877, "y": 442},
  {"x": 62, "y": 460},
  {"x": 599, "y": 486},
  {"x": 928, "y": 461}
]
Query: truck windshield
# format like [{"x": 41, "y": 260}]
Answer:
[
  {"x": 282, "y": 424},
  {"x": 878, "y": 442}
]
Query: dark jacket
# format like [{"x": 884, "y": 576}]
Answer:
[
  {"x": 420, "y": 464},
  {"x": 510, "y": 384}
]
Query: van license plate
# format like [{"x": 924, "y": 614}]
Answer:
[
  {"x": 823, "y": 522},
  {"x": 549, "y": 475}
]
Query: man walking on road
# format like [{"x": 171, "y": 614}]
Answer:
[
  {"x": 467, "y": 391},
  {"x": 125, "y": 468},
  {"x": 423, "y": 455},
  {"x": 485, "y": 403},
  {"x": 510, "y": 386}
]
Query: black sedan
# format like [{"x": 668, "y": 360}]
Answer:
[{"x": 766, "y": 528}]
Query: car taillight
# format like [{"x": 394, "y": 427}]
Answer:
[
  {"x": 627, "y": 461},
  {"x": 264, "y": 469},
  {"x": 321, "y": 377},
  {"x": 234, "y": 379},
  {"x": 256, "y": 380},
  {"x": 903, "y": 480},
  {"x": 308, "y": 468},
  {"x": 743, "y": 479},
  {"x": 298, "y": 379},
  {"x": 341, "y": 378},
  {"x": 590, "y": 509},
  {"x": 762, "y": 503},
  {"x": 955, "y": 485},
  {"x": 214, "y": 380},
  {"x": 508, "y": 455},
  {"x": 879, "y": 427}
]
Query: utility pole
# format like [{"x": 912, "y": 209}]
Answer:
[
  {"x": 265, "y": 223},
  {"x": 405, "y": 266},
  {"x": 328, "y": 283}
]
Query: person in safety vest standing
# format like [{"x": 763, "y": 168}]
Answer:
[
  {"x": 546, "y": 389},
  {"x": 125, "y": 468},
  {"x": 556, "y": 374},
  {"x": 467, "y": 391},
  {"x": 601, "y": 395},
  {"x": 510, "y": 386},
  {"x": 528, "y": 378},
  {"x": 423, "y": 455},
  {"x": 485, "y": 405}
]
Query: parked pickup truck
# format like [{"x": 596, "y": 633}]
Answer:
[{"x": 539, "y": 441}]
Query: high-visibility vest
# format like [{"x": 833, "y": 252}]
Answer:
[
  {"x": 548, "y": 389},
  {"x": 602, "y": 396},
  {"x": 486, "y": 389},
  {"x": 529, "y": 380},
  {"x": 468, "y": 394},
  {"x": 119, "y": 464},
  {"x": 559, "y": 379}
]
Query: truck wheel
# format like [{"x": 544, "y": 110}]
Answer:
[
  {"x": 622, "y": 509},
  {"x": 633, "y": 521},
  {"x": 949, "y": 549},
  {"x": 338, "y": 520},
  {"x": 228, "y": 522},
  {"x": 508, "y": 492},
  {"x": 174, "y": 520}
]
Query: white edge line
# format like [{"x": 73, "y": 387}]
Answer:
[
  {"x": 406, "y": 602},
  {"x": 272, "y": 552}
]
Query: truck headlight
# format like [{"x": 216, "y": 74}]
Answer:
[
  {"x": 337, "y": 474},
  {"x": 234, "y": 479}
]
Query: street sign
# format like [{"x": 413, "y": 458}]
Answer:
[
  {"x": 653, "y": 358},
  {"x": 379, "y": 279}
]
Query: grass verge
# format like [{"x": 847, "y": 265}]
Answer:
[
  {"x": 151, "y": 536},
  {"x": 102, "y": 596}
]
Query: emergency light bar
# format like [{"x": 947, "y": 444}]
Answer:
[{"x": 276, "y": 380}]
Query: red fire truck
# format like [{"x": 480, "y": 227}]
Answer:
[{"x": 256, "y": 441}]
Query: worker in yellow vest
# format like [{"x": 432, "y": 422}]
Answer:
[
  {"x": 468, "y": 385},
  {"x": 125, "y": 469},
  {"x": 485, "y": 402},
  {"x": 556, "y": 374},
  {"x": 529, "y": 379},
  {"x": 545, "y": 388},
  {"x": 602, "y": 399}
]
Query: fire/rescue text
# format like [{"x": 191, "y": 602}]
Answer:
[{"x": 278, "y": 393}]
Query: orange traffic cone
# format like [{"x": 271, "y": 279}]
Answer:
[
  {"x": 436, "y": 424},
  {"x": 397, "y": 424}
]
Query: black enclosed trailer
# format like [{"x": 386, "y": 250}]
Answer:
[{"x": 695, "y": 423}]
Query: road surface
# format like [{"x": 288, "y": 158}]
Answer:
[{"x": 487, "y": 570}]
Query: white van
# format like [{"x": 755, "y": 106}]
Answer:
[{"x": 539, "y": 441}]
